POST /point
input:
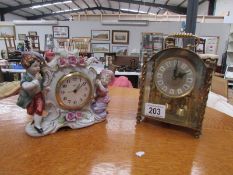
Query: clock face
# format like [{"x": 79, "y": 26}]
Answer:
[
  {"x": 175, "y": 77},
  {"x": 73, "y": 91}
]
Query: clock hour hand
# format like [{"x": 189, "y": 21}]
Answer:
[
  {"x": 182, "y": 74},
  {"x": 77, "y": 88}
]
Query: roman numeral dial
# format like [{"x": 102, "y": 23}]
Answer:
[{"x": 175, "y": 77}]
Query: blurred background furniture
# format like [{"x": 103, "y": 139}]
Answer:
[
  {"x": 12, "y": 54},
  {"x": 34, "y": 43},
  {"x": 229, "y": 75}
]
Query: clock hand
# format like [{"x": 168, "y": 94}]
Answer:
[
  {"x": 175, "y": 71},
  {"x": 77, "y": 88},
  {"x": 182, "y": 74}
]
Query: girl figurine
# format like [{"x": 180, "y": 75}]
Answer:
[
  {"x": 102, "y": 97},
  {"x": 31, "y": 96}
]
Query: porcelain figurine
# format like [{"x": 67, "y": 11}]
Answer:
[
  {"x": 102, "y": 98},
  {"x": 31, "y": 95},
  {"x": 72, "y": 87}
]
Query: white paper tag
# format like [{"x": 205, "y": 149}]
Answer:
[{"x": 155, "y": 110}]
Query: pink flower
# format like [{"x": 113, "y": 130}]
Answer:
[
  {"x": 70, "y": 117},
  {"x": 62, "y": 61},
  {"x": 72, "y": 60},
  {"x": 81, "y": 60},
  {"x": 78, "y": 115}
]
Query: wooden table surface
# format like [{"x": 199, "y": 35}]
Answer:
[{"x": 109, "y": 148}]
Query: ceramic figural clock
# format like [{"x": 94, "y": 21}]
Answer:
[
  {"x": 174, "y": 87},
  {"x": 71, "y": 100}
]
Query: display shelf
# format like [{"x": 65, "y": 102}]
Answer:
[
  {"x": 127, "y": 73},
  {"x": 230, "y": 47}
]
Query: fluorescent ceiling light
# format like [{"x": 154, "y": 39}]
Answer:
[
  {"x": 64, "y": 2},
  {"x": 130, "y": 10},
  {"x": 68, "y": 10},
  {"x": 49, "y": 4}
]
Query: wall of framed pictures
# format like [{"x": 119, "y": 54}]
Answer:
[{"x": 84, "y": 29}]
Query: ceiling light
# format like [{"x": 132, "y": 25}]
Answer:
[
  {"x": 131, "y": 10},
  {"x": 68, "y": 10},
  {"x": 49, "y": 4},
  {"x": 64, "y": 2}
]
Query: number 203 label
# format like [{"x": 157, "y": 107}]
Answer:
[{"x": 155, "y": 110}]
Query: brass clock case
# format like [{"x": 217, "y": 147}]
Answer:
[
  {"x": 64, "y": 79},
  {"x": 186, "y": 109}
]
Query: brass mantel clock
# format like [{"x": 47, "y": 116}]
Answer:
[{"x": 175, "y": 85}]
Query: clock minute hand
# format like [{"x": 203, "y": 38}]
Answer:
[{"x": 175, "y": 70}]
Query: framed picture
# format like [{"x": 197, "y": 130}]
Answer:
[
  {"x": 49, "y": 43},
  {"x": 109, "y": 57},
  {"x": 21, "y": 36},
  {"x": 7, "y": 30},
  {"x": 100, "y": 35},
  {"x": 120, "y": 37},
  {"x": 120, "y": 50},
  {"x": 61, "y": 31},
  {"x": 81, "y": 43},
  {"x": 100, "y": 47},
  {"x": 211, "y": 44},
  {"x": 32, "y": 33}
]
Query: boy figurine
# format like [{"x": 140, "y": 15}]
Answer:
[{"x": 31, "y": 96}]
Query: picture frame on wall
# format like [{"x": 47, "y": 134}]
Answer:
[
  {"x": 81, "y": 43},
  {"x": 32, "y": 33},
  {"x": 49, "y": 42},
  {"x": 100, "y": 47},
  {"x": 109, "y": 58},
  {"x": 211, "y": 44},
  {"x": 120, "y": 50},
  {"x": 120, "y": 37},
  {"x": 60, "y": 32},
  {"x": 7, "y": 30},
  {"x": 100, "y": 35},
  {"x": 22, "y": 37}
]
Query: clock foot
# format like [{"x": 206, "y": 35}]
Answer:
[
  {"x": 197, "y": 134},
  {"x": 139, "y": 119}
]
